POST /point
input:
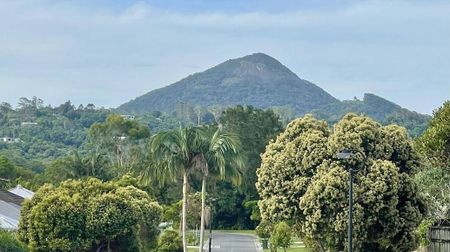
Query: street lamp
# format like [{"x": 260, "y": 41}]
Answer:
[{"x": 346, "y": 154}]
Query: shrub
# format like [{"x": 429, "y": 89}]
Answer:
[
  {"x": 9, "y": 243},
  {"x": 170, "y": 241},
  {"x": 264, "y": 229},
  {"x": 281, "y": 236},
  {"x": 88, "y": 215}
]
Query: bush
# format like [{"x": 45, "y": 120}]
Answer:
[
  {"x": 88, "y": 215},
  {"x": 191, "y": 239},
  {"x": 264, "y": 229},
  {"x": 170, "y": 241},
  {"x": 9, "y": 243},
  {"x": 281, "y": 236}
]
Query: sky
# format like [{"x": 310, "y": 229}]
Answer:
[{"x": 108, "y": 52}]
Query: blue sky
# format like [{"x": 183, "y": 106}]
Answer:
[{"x": 108, "y": 52}]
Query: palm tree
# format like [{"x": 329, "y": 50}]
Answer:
[
  {"x": 173, "y": 154},
  {"x": 195, "y": 149},
  {"x": 221, "y": 156}
]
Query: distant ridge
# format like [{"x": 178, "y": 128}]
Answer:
[{"x": 262, "y": 81}]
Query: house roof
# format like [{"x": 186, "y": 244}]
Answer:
[
  {"x": 10, "y": 197},
  {"x": 10, "y": 210},
  {"x": 8, "y": 223},
  {"x": 22, "y": 192}
]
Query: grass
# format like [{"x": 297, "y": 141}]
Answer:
[
  {"x": 292, "y": 249},
  {"x": 252, "y": 232}
]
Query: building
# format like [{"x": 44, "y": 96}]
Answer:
[
  {"x": 22, "y": 192},
  {"x": 10, "y": 206},
  {"x": 10, "y": 140},
  {"x": 128, "y": 117},
  {"x": 28, "y": 123}
]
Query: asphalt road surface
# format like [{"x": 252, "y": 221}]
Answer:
[{"x": 225, "y": 242}]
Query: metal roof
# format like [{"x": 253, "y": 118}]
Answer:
[
  {"x": 10, "y": 197},
  {"x": 22, "y": 192}
]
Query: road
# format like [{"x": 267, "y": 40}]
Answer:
[{"x": 226, "y": 242}]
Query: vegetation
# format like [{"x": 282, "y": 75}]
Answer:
[
  {"x": 256, "y": 79},
  {"x": 281, "y": 237},
  {"x": 300, "y": 180},
  {"x": 170, "y": 241},
  {"x": 9, "y": 242},
  {"x": 195, "y": 149},
  {"x": 261, "y": 81},
  {"x": 434, "y": 145},
  {"x": 89, "y": 215},
  {"x": 382, "y": 110}
]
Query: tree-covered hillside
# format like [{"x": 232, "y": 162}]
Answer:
[
  {"x": 258, "y": 80},
  {"x": 263, "y": 82},
  {"x": 380, "y": 109},
  {"x": 35, "y": 131}
]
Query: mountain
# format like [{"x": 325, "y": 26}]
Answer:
[
  {"x": 262, "y": 81},
  {"x": 380, "y": 109},
  {"x": 256, "y": 79}
]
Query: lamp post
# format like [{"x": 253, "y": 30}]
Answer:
[{"x": 346, "y": 154}]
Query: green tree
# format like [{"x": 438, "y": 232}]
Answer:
[
  {"x": 264, "y": 231},
  {"x": 219, "y": 154},
  {"x": 120, "y": 138},
  {"x": 195, "y": 149},
  {"x": 173, "y": 154},
  {"x": 9, "y": 242},
  {"x": 281, "y": 236},
  {"x": 255, "y": 128},
  {"x": 301, "y": 180},
  {"x": 76, "y": 166},
  {"x": 7, "y": 171},
  {"x": 87, "y": 215},
  {"x": 170, "y": 241},
  {"x": 434, "y": 145}
]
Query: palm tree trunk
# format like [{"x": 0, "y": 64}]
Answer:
[
  {"x": 202, "y": 219},
  {"x": 183, "y": 214}
]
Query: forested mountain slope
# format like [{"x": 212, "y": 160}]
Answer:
[{"x": 258, "y": 80}]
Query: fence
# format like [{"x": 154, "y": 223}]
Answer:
[{"x": 439, "y": 239}]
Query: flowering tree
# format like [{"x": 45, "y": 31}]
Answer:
[{"x": 301, "y": 180}]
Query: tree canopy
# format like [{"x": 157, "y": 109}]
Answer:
[
  {"x": 301, "y": 180},
  {"x": 434, "y": 145},
  {"x": 88, "y": 215}
]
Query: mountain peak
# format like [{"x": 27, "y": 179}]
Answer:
[
  {"x": 259, "y": 57},
  {"x": 256, "y": 79}
]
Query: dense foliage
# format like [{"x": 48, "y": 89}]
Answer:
[
  {"x": 89, "y": 216},
  {"x": 301, "y": 180},
  {"x": 9, "y": 242},
  {"x": 382, "y": 110},
  {"x": 236, "y": 207},
  {"x": 43, "y": 132},
  {"x": 170, "y": 241},
  {"x": 281, "y": 237},
  {"x": 40, "y": 131},
  {"x": 434, "y": 179}
]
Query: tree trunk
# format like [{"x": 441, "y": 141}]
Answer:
[
  {"x": 202, "y": 219},
  {"x": 183, "y": 214}
]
